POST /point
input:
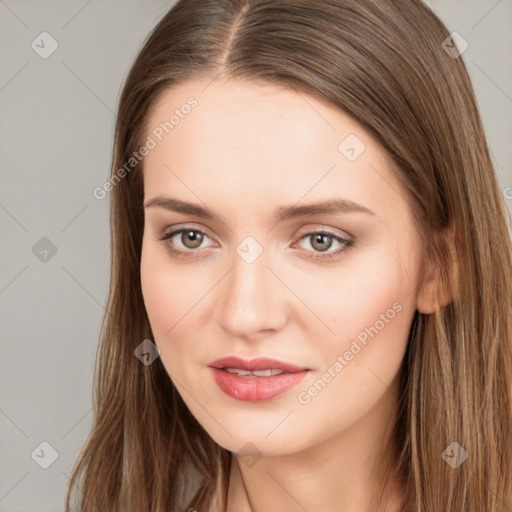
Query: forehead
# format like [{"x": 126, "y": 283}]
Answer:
[
  {"x": 236, "y": 113},
  {"x": 262, "y": 142}
]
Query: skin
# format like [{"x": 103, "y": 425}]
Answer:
[{"x": 246, "y": 149}]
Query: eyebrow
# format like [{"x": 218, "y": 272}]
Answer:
[{"x": 282, "y": 213}]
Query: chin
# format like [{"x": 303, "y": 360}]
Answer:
[{"x": 257, "y": 441}]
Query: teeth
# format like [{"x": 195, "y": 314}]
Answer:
[
  {"x": 267, "y": 373},
  {"x": 270, "y": 372},
  {"x": 238, "y": 371}
]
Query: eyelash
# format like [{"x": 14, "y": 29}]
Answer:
[{"x": 347, "y": 242}]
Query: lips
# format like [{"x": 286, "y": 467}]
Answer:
[
  {"x": 251, "y": 365},
  {"x": 235, "y": 377}
]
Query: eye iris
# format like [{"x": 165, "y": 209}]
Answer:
[
  {"x": 194, "y": 238},
  {"x": 324, "y": 241}
]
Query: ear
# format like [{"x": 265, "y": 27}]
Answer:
[{"x": 433, "y": 291}]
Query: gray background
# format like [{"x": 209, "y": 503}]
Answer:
[{"x": 56, "y": 133}]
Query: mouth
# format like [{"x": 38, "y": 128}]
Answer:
[
  {"x": 257, "y": 379},
  {"x": 259, "y": 367},
  {"x": 268, "y": 372}
]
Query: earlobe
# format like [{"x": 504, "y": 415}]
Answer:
[
  {"x": 435, "y": 292},
  {"x": 432, "y": 294}
]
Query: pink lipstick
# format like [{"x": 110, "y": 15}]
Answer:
[{"x": 257, "y": 379}]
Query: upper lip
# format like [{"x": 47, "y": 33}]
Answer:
[{"x": 259, "y": 363}]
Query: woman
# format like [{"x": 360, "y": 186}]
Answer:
[{"x": 310, "y": 294}]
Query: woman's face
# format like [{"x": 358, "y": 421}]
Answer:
[{"x": 264, "y": 276}]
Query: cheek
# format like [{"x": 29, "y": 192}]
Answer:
[
  {"x": 350, "y": 302},
  {"x": 169, "y": 291},
  {"x": 370, "y": 309}
]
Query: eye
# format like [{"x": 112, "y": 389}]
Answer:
[
  {"x": 189, "y": 238},
  {"x": 322, "y": 241}
]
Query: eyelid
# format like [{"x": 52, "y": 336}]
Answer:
[
  {"x": 325, "y": 229},
  {"x": 172, "y": 230},
  {"x": 304, "y": 231}
]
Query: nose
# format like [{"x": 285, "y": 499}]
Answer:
[{"x": 252, "y": 299}]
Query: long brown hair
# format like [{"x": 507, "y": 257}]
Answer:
[{"x": 385, "y": 63}]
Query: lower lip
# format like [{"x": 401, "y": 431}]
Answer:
[{"x": 255, "y": 389}]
